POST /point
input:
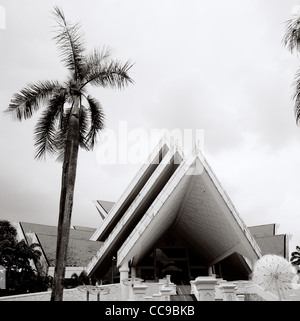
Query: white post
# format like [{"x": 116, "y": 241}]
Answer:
[
  {"x": 205, "y": 286},
  {"x": 156, "y": 297},
  {"x": 228, "y": 291},
  {"x": 165, "y": 293},
  {"x": 124, "y": 270},
  {"x": 139, "y": 291},
  {"x": 240, "y": 297}
]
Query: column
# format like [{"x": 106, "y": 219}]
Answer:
[
  {"x": 165, "y": 293},
  {"x": 240, "y": 297},
  {"x": 210, "y": 270},
  {"x": 139, "y": 291},
  {"x": 124, "y": 270},
  {"x": 228, "y": 291},
  {"x": 133, "y": 272},
  {"x": 156, "y": 297},
  {"x": 205, "y": 286}
]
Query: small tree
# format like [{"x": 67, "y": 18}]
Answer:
[{"x": 17, "y": 258}]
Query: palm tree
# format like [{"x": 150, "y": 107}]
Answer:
[
  {"x": 295, "y": 257},
  {"x": 291, "y": 40},
  {"x": 71, "y": 119},
  {"x": 16, "y": 257},
  {"x": 23, "y": 253}
]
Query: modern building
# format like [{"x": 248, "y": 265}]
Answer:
[{"x": 173, "y": 219}]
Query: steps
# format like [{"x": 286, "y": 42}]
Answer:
[{"x": 183, "y": 294}]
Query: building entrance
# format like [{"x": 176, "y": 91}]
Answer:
[
  {"x": 179, "y": 262},
  {"x": 178, "y": 269},
  {"x": 172, "y": 261}
]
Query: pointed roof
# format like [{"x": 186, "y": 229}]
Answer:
[
  {"x": 80, "y": 248},
  {"x": 103, "y": 207},
  {"x": 194, "y": 205},
  {"x": 127, "y": 212},
  {"x": 106, "y": 205},
  {"x": 174, "y": 192},
  {"x": 125, "y": 201}
]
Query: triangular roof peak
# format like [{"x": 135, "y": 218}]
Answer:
[
  {"x": 179, "y": 192},
  {"x": 157, "y": 157},
  {"x": 194, "y": 203}
]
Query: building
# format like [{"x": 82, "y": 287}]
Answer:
[{"x": 173, "y": 219}]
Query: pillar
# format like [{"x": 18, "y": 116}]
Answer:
[
  {"x": 240, "y": 297},
  {"x": 139, "y": 291},
  {"x": 165, "y": 293},
  {"x": 228, "y": 291},
  {"x": 124, "y": 270},
  {"x": 167, "y": 282},
  {"x": 156, "y": 297},
  {"x": 205, "y": 286},
  {"x": 133, "y": 272}
]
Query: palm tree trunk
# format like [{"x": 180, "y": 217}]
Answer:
[{"x": 66, "y": 202}]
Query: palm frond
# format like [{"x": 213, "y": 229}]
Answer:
[
  {"x": 95, "y": 59},
  {"x": 292, "y": 34},
  {"x": 30, "y": 99},
  {"x": 109, "y": 74},
  {"x": 96, "y": 121},
  {"x": 70, "y": 42},
  {"x": 46, "y": 128},
  {"x": 295, "y": 261}
]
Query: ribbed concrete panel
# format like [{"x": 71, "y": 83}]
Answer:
[
  {"x": 130, "y": 194},
  {"x": 194, "y": 207},
  {"x": 188, "y": 199},
  {"x": 156, "y": 221},
  {"x": 203, "y": 220},
  {"x": 137, "y": 208}
]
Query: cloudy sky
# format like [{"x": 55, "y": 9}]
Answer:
[{"x": 218, "y": 66}]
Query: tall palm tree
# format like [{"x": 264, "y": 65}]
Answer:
[
  {"x": 71, "y": 119},
  {"x": 291, "y": 40}
]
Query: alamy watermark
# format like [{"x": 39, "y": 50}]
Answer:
[{"x": 124, "y": 146}]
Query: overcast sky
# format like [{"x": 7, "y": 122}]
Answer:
[{"x": 219, "y": 66}]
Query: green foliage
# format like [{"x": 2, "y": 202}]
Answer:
[
  {"x": 95, "y": 69},
  {"x": 295, "y": 257},
  {"x": 17, "y": 258},
  {"x": 7, "y": 231},
  {"x": 70, "y": 118},
  {"x": 291, "y": 41},
  {"x": 82, "y": 279}
]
